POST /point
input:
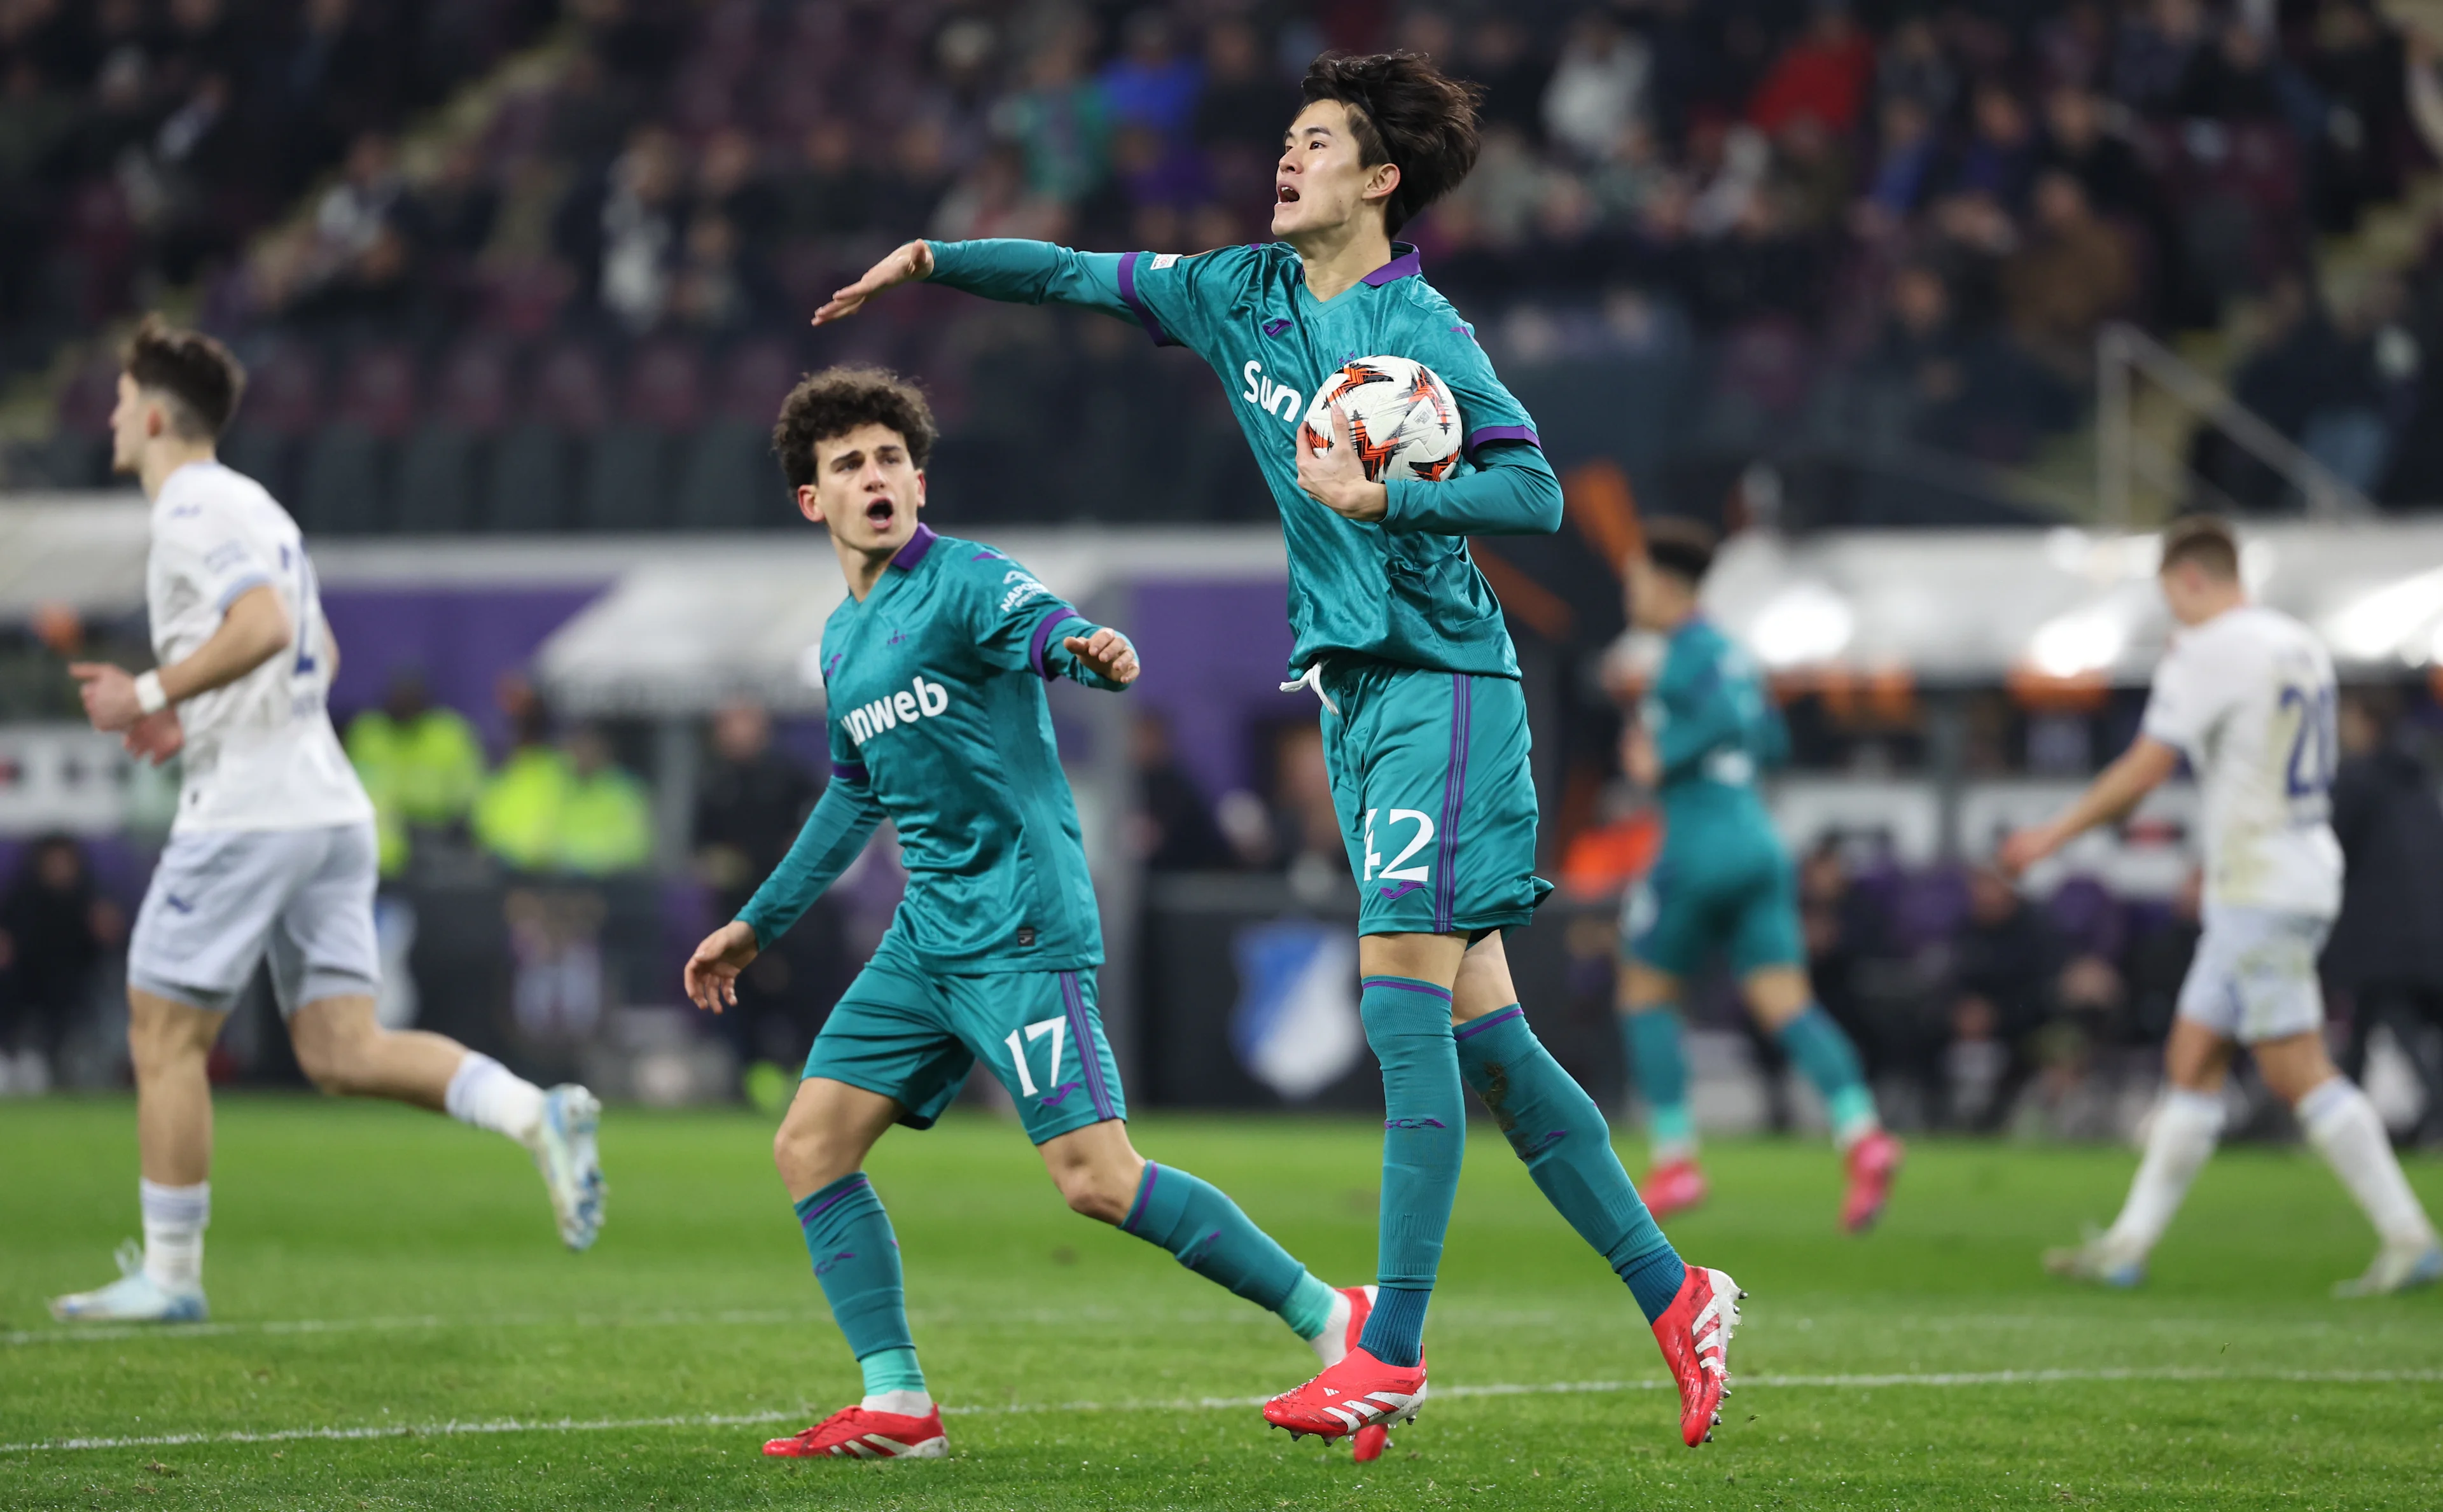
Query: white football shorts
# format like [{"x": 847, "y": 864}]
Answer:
[
  {"x": 222, "y": 900},
  {"x": 2254, "y": 976}
]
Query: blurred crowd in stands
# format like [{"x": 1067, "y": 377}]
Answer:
[{"x": 1877, "y": 222}]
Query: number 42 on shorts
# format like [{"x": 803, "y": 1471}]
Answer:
[{"x": 1399, "y": 870}]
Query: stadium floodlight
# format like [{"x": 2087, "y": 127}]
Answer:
[
  {"x": 2386, "y": 621},
  {"x": 2083, "y": 640},
  {"x": 1805, "y": 623}
]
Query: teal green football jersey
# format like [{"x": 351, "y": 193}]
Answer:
[
  {"x": 1403, "y": 589},
  {"x": 935, "y": 686},
  {"x": 1716, "y": 731}
]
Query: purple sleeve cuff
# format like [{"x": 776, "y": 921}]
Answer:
[
  {"x": 1486, "y": 435},
  {"x": 1038, "y": 650},
  {"x": 1129, "y": 296},
  {"x": 848, "y": 770}
]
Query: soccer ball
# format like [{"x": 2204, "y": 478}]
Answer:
[{"x": 1401, "y": 418}]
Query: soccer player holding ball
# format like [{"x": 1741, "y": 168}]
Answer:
[
  {"x": 935, "y": 668},
  {"x": 1399, "y": 635}
]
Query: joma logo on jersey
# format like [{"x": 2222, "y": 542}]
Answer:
[
  {"x": 920, "y": 700},
  {"x": 1266, "y": 395}
]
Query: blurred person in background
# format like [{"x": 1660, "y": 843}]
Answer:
[
  {"x": 421, "y": 764},
  {"x": 2247, "y": 695},
  {"x": 749, "y": 804},
  {"x": 2386, "y": 953},
  {"x": 1844, "y": 932},
  {"x": 2005, "y": 963},
  {"x": 55, "y": 929},
  {"x": 1175, "y": 827},
  {"x": 568, "y": 809},
  {"x": 1703, "y": 736},
  {"x": 516, "y": 817},
  {"x": 606, "y": 816}
]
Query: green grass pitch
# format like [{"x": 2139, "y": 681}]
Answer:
[{"x": 390, "y": 1276}]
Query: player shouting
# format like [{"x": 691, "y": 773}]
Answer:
[
  {"x": 272, "y": 853},
  {"x": 2247, "y": 695},
  {"x": 935, "y": 666},
  {"x": 1703, "y": 736},
  {"x": 1424, "y": 724}
]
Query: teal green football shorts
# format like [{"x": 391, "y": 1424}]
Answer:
[
  {"x": 1741, "y": 894},
  {"x": 912, "y": 1036},
  {"x": 1437, "y": 806}
]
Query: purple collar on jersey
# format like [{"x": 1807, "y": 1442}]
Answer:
[
  {"x": 1404, "y": 265},
  {"x": 918, "y": 544}
]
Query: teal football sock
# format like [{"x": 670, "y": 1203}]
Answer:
[
  {"x": 1424, "y": 1133},
  {"x": 1205, "y": 1231},
  {"x": 1660, "y": 1068},
  {"x": 1558, "y": 1131},
  {"x": 857, "y": 1259},
  {"x": 1817, "y": 1047},
  {"x": 892, "y": 1369}
]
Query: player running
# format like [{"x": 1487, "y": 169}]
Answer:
[
  {"x": 1424, "y": 724},
  {"x": 1702, "y": 736},
  {"x": 2247, "y": 695},
  {"x": 935, "y": 668},
  {"x": 272, "y": 853}
]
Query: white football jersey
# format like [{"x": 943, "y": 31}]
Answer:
[
  {"x": 261, "y": 753},
  {"x": 2248, "y": 698}
]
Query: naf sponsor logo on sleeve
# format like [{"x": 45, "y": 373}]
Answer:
[{"x": 920, "y": 700}]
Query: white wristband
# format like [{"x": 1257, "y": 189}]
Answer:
[{"x": 149, "y": 696}]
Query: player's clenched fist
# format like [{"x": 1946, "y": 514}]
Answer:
[
  {"x": 1106, "y": 651},
  {"x": 910, "y": 263},
  {"x": 711, "y": 975}
]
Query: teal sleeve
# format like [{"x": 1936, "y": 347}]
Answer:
[
  {"x": 1511, "y": 492},
  {"x": 834, "y": 834},
  {"x": 1035, "y": 273},
  {"x": 1020, "y": 623}
]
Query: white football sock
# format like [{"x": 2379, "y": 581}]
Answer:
[
  {"x": 2186, "y": 1127},
  {"x": 175, "y": 1220},
  {"x": 905, "y": 1404},
  {"x": 490, "y": 1096},
  {"x": 2348, "y": 1133}
]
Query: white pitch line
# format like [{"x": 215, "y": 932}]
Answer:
[
  {"x": 456, "y": 1428},
  {"x": 1045, "y": 1317}
]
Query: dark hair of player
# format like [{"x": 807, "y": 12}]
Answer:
[
  {"x": 1684, "y": 548},
  {"x": 200, "y": 377},
  {"x": 837, "y": 400},
  {"x": 1406, "y": 111},
  {"x": 2205, "y": 540}
]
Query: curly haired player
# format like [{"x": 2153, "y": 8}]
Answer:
[{"x": 934, "y": 667}]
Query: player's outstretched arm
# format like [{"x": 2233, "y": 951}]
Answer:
[{"x": 2116, "y": 790}]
